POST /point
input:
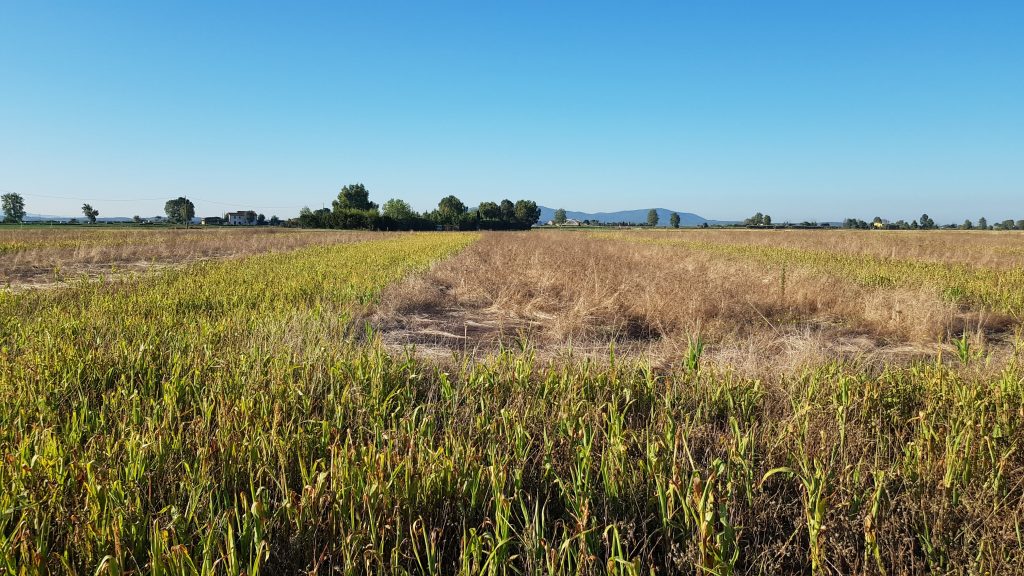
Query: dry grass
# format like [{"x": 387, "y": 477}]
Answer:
[
  {"x": 581, "y": 293},
  {"x": 34, "y": 257},
  {"x": 983, "y": 249}
]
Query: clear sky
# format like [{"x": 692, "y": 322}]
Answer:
[{"x": 804, "y": 110}]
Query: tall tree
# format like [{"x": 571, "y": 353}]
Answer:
[
  {"x": 1020, "y": 224},
  {"x": 983, "y": 223},
  {"x": 489, "y": 210},
  {"x": 673, "y": 220},
  {"x": 926, "y": 222},
  {"x": 399, "y": 210},
  {"x": 13, "y": 206},
  {"x": 353, "y": 197},
  {"x": 508, "y": 210},
  {"x": 652, "y": 217},
  {"x": 450, "y": 210},
  {"x": 967, "y": 225},
  {"x": 560, "y": 216},
  {"x": 180, "y": 211},
  {"x": 90, "y": 213},
  {"x": 526, "y": 213}
]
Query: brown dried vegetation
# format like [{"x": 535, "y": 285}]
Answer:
[
  {"x": 569, "y": 291},
  {"x": 38, "y": 256}
]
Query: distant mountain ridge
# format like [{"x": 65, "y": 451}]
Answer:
[{"x": 630, "y": 216}]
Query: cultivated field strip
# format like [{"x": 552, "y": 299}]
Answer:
[
  {"x": 991, "y": 289},
  {"x": 114, "y": 394},
  {"x": 981, "y": 249},
  {"x": 651, "y": 294},
  {"x": 41, "y": 256}
]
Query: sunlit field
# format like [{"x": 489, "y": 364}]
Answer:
[
  {"x": 41, "y": 256},
  {"x": 562, "y": 402}
]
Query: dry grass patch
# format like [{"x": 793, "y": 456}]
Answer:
[
  {"x": 981, "y": 249},
  {"x": 38, "y": 257},
  {"x": 584, "y": 293}
]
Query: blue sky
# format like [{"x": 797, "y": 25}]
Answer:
[{"x": 804, "y": 110}]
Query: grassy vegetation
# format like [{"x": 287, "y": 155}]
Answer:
[
  {"x": 236, "y": 417},
  {"x": 37, "y": 255},
  {"x": 997, "y": 290}
]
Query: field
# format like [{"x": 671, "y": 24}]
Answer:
[
  {"x": 564, "y": 402},
  {"x": 38, "y": 256}
]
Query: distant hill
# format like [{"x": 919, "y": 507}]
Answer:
[{"x": 631, "y": 216}]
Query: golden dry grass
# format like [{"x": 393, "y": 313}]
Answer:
[
  {"x": 44, "y": 256},
  {"x": 649, "y": 294},
  {"x": 984, "y": 249}
]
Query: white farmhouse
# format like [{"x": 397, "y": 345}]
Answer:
[{"x": 244, "y": 218}]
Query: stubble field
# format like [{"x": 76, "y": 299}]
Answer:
[{"x": 564, "y": 402}]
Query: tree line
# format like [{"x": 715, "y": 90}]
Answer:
[
  {"x": 352, "y": 209},
  {"x": 926, "y": 223}
]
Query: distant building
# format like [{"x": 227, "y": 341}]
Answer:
[
  {"x": 568, "y": 222},
  {"x": 244, "y": 218},
  {"x": 212, "y": 221}
]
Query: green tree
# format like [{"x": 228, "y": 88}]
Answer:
[
  {"x": 560, "y": 216},
  {"x": 353, "y": 197},
  {"x": 508, "y": 210},
  {"x": 489, "y": 211},
  {"x": 180, "y": 211},
  {"x": 137, "y": 219},
  {"x": 13, "y": 206},
  {"x": 450, "y": 210},
  {"x": 967, "y": 225},
  {"x": 652, "y": 217},
  {"x": 90, "y": 213},
  {"x": 261, "y": 220},
  {"x": 673, "y": 220},
  {"x": 926, "y": 222},
  {"x": 982, "y": 223},
  {"x": 766, "y": 220},
  {"x": 527, "y": 213},
  {"x": 399, "y": 210},
  {"x": 1020, "y": 224},
  {"x": 755, "y": 220}
]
